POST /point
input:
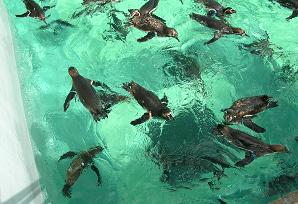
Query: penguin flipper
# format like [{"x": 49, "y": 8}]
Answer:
[
  {"x": 293, "y": 15},
  {"x": 216, "y": 36},
  {"x": 251, "y": 125},
  {"x": 149, "y": 36},
  {"x": 159, "y": 18},
  {"x": 26, "y": 14},
  {"x": 148, "y": 7},
  {"x": 69, "y": 97},
  {"x": 95, "y": 169},
  {"x": 141, "y": 120},
  {"x": 249, "y": 157},
  {"x": 69, "y": 154}
]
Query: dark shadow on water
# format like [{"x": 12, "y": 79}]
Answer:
[
  {"x": 26, "y": 195},
  {"x": 186, "y": 150}
]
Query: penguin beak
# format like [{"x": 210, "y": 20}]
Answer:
[{"x": 177, "y": 38}]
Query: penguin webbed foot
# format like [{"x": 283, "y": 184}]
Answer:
[
  {"x": 66, "y": 191},
  {"x": 147, "y": 37},
  {"x": 101, "y": 84}
]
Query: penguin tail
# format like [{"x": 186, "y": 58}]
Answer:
[
  {"x": 66, "y": 190},
  {"x": 127, "y": 86},
  {"x": 293, "y": 15},
  {"x": 272, "y": 104}
]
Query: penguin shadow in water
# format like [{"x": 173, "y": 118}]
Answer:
[
  {"x": 117, "y": 29},
  {"x": 93, "y": 7},
  {"x": 288, "y": 75},
  {"x": 262, "y": 47},
  {"x": 182, "y": 68},
  {"x": 56, "y": 26},
  {"x": 186, "y": 151},
  {"x": 281, "y": 185}
]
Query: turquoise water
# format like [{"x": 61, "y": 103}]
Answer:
[{"x": 199, "y": 81}]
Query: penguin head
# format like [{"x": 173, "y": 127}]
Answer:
[
  {"x": 239, "y": 31},
  {"x": 73, "y": 72},
  {"x": 221, "y": 129},
  {"x": 230, "y": 115},
  {"x": 279, "y": 148},
  {"x": 229, "y": 10},
  {"x": 171, "y": 32},
  {"x": 166, "y": 113}
]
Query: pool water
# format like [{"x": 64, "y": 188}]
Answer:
[{"x": 199, "y": 81}]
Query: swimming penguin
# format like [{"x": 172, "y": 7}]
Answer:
[
  {"x": 222, "y": 27},
  {"x": 252, "y": 146},
  {"x": 147, "y": 99},
  {"x": 244, "y": 109},
  {"x": 216, "y": 9},
  {"x": 290, "y": 4},
  {"x": 144, "y": 19},
  {"x": 98, "y": 103},
  {"x": 34, "y": 10},
  {"x": 81, "y": 161}
]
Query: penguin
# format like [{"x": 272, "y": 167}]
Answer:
[
  {"x": 34, "y": 10},
  {"x": 81, "y": 161},
  {"x": 290, "y": 4},
  {"x": 98, "y": 103},
  {"x": 252, "y": 146},
  {"x": 144, "y": 19},
  {"x": 216, "y": 9},
  {"x": 147, "y": 99},
  {"x": 221, "y": 26},
  {"x": 244, "y": 109}
]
